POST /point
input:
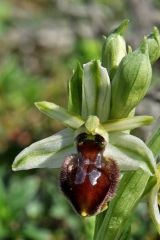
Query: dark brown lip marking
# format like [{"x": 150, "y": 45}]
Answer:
[{"x": 87, "y": 179}]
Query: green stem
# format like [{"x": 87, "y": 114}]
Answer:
[{"x": 89, "y": 224}]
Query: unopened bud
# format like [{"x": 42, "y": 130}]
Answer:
[
  {"x": 131, "y": 82},
  {"x": 153, "y": 41},
  {"x": 114, "y": 49}
]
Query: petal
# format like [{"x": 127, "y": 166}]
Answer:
[
  {"x": 96, "y": 91},
  {"x": 153, "y": 207},
  {"x": 129, "y": 123},
  {"x": 58, "y": 113},
  {"x": 75, "y": 91},
  {"x": 130, "y": 152},
  {"x": 47, "y": 153}
]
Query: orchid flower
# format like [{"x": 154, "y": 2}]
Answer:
[{"x": 95, "y": 150}]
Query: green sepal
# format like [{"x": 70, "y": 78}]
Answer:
[
  {"x": 58, "y": 113},
  {"x": 47, "y": 153},
  {"x": 96, "y": 91},
  {"x": 130, "y": 153},
  {"x": 131, "y": 82},
  {"x": 153, "y": 41},
  {"x": 75, "y": 91},
  {"x": 114, "y": 49},
  {"x": 121, "y": 29}
]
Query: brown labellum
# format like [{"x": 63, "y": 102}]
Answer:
[{"x": 87, "y": 179}]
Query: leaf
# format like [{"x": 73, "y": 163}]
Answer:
[
  {"x": 58, "y": 113},
  {"x": 49, "y": 152},
  {"x": 130, "y": 152},
  {"x": 129, "y": 192},
  {"x": 75, "y": 91},
  {"x": 129, "y": 123},
  {"x": 96, "y": 91}
]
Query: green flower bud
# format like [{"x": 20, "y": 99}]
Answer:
[
  {"x": 114, "y": 49},
  {"x": 153, "y": 41},
  {"x": 96, "y": 91},
  {"x": 131, "y": 82}
]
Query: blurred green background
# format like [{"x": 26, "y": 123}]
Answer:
[{"x": 40, "y": 43}]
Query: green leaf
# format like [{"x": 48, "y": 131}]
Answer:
[
  {"x": 129, "y": 123},
  {"x": 95, "y": 91},
  {"x": 115, "y": 219},
  {"x": 126, "y": 235},
  {"x": 47, "y": 153},
  {"x": 75, "y": 91},
  {"x": 58, "y": 113},
  {"x": 130, "y": 152},
  {"x": 154, "y": 140}
]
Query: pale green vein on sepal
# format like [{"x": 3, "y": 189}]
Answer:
[
  {"x": 47, "y": 153},
  {"x": 127, "y": 123},
  {"x": 96, "y": 91},
  {"x": 58, "y": 113},
  {"x": 130, "y": 152}
]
